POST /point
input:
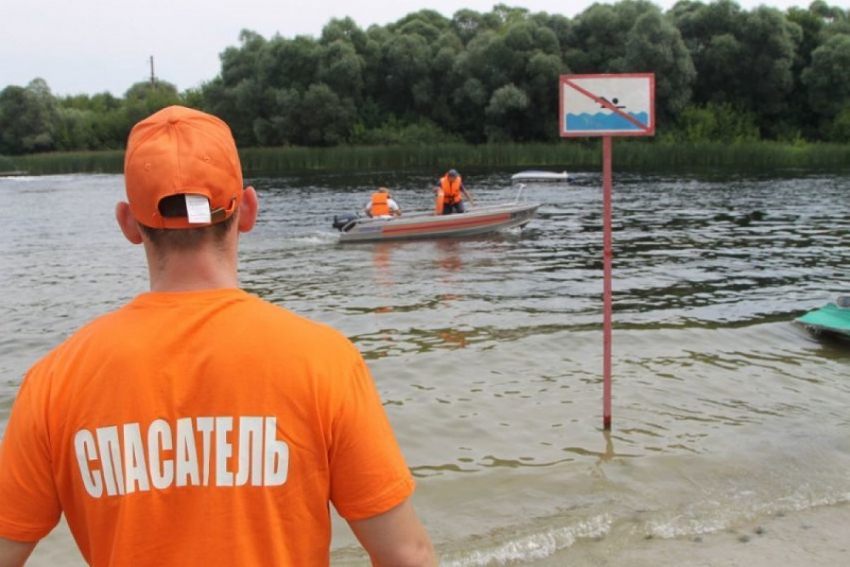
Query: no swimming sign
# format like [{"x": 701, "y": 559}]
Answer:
[{"x": 607, "y": 105}]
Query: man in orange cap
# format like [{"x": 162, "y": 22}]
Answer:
[{"x": 198, "y": 424}]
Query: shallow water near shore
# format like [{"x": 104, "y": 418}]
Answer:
[{"x": 487, "y": 352}]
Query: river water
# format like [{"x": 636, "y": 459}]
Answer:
[{"x": 488, "y": 352}]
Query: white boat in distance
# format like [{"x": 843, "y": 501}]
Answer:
[
  {"x": 536, "y": 176},
  {"x": 415, "y": 225}
]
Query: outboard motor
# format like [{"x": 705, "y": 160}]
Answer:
[{"x": 344, "y": 222}]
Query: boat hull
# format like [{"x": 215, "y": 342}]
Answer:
[{"x": 426, "y": 225}]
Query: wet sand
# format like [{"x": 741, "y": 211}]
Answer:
[
  {"x": 814, "y": 536},
  {"x": 808, "y": 537}
]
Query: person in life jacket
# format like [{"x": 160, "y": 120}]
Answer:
[
  {"x": 452, "y": 189},
  {"x": 382, "y": 204}
]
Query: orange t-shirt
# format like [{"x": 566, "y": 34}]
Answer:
[{"x": 205, "y": 428}]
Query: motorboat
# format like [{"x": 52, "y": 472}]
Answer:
[
  {"x": 477, "y": 220},
  {"x": 831, "y": 319},
  {"x": 535, "y": 176}
]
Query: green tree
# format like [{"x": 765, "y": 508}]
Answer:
[
  {"x": 469, "y": 101},
  {"x": 468, "y": 23},
  {"x": 143, "y": 99},
  {"x": 827, "y": 79},
  {"x": 811, "y": 25},
  {"x": 76, "y": 130},
  {"x": 543, "y": 71},
  {"x": 406, "y": 64},
  {"x": 600, "y": 34},
  {"x": 770, "y": 43},
  {"x": 506, "y": 113},
  {"x": 560, "y": 26},
  {"x": 238, "y": 94},
  {"x": 710, "y": 33},
  {"x": 96, "y": 122},
  {"x": 283, "y": 126},
  {"x": 721, "y": 73},
  {"x": 653, "y": 44},
  {"x": 326, "y": 119},
  {"x": 29, "y": 119},
  {"x": 502, "y": 59},
  {"x": 13, "y": 104},
  {"x": 341, "y": 68},
  {"x": 443, "y": 78},
  {"x": 344, "y": 29},
  {"x": 509, "y": 15},
  {"x": 428, "y": 24},
  {"x": 289, "y": 63}
]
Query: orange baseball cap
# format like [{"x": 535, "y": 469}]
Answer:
[{"x": 182, "y": 151}]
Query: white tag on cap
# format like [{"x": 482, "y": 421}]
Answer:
[{"x": 198, "y": 209}]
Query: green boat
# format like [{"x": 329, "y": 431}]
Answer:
[{"x": 832, "y": 319}]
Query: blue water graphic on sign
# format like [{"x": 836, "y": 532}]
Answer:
[{"x": 605, "y": 121}]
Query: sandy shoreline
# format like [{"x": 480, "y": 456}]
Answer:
[
  {"x": 814, "y": 536},
  {"x": 798, "y": 539}
]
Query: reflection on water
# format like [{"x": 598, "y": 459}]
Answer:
[
  {"x": 449, "y": 255},
  {"x": 487, "y": 352}
]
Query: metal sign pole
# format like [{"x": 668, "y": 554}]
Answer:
[
  {"x": 606, "y": 284},
  {"x": 606, "y": 105}
]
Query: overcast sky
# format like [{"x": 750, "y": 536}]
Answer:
[{"x": 92, "y": 46}]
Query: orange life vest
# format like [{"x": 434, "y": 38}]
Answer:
[
  {"x": 380, "y": 204},
  {"x": 451, "y": 189}
]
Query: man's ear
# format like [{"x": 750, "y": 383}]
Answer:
[
  {"x": 248, "y": 210},
  {"x": 127, "y": 222}
]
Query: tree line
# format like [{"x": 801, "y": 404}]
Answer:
[{"x": 722, "y": 74}]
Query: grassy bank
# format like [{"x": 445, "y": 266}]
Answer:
[
  {"x": 59, "y": 163},
  {"x": 573, "y": 155}
]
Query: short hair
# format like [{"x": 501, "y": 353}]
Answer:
[{"x": 183, "y": 238}]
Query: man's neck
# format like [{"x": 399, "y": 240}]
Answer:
[{"x": 192, "y": 271}]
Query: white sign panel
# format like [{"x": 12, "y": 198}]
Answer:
[{"x": 608, "y": 105}]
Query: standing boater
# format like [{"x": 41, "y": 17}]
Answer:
[
  {"x": 452, "y": 190},
  {"x": 199, "y": 424}
]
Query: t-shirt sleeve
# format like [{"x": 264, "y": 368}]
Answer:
[
  {"x": 29, "y": 504},
  {"x": 368, "y": 473}
]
